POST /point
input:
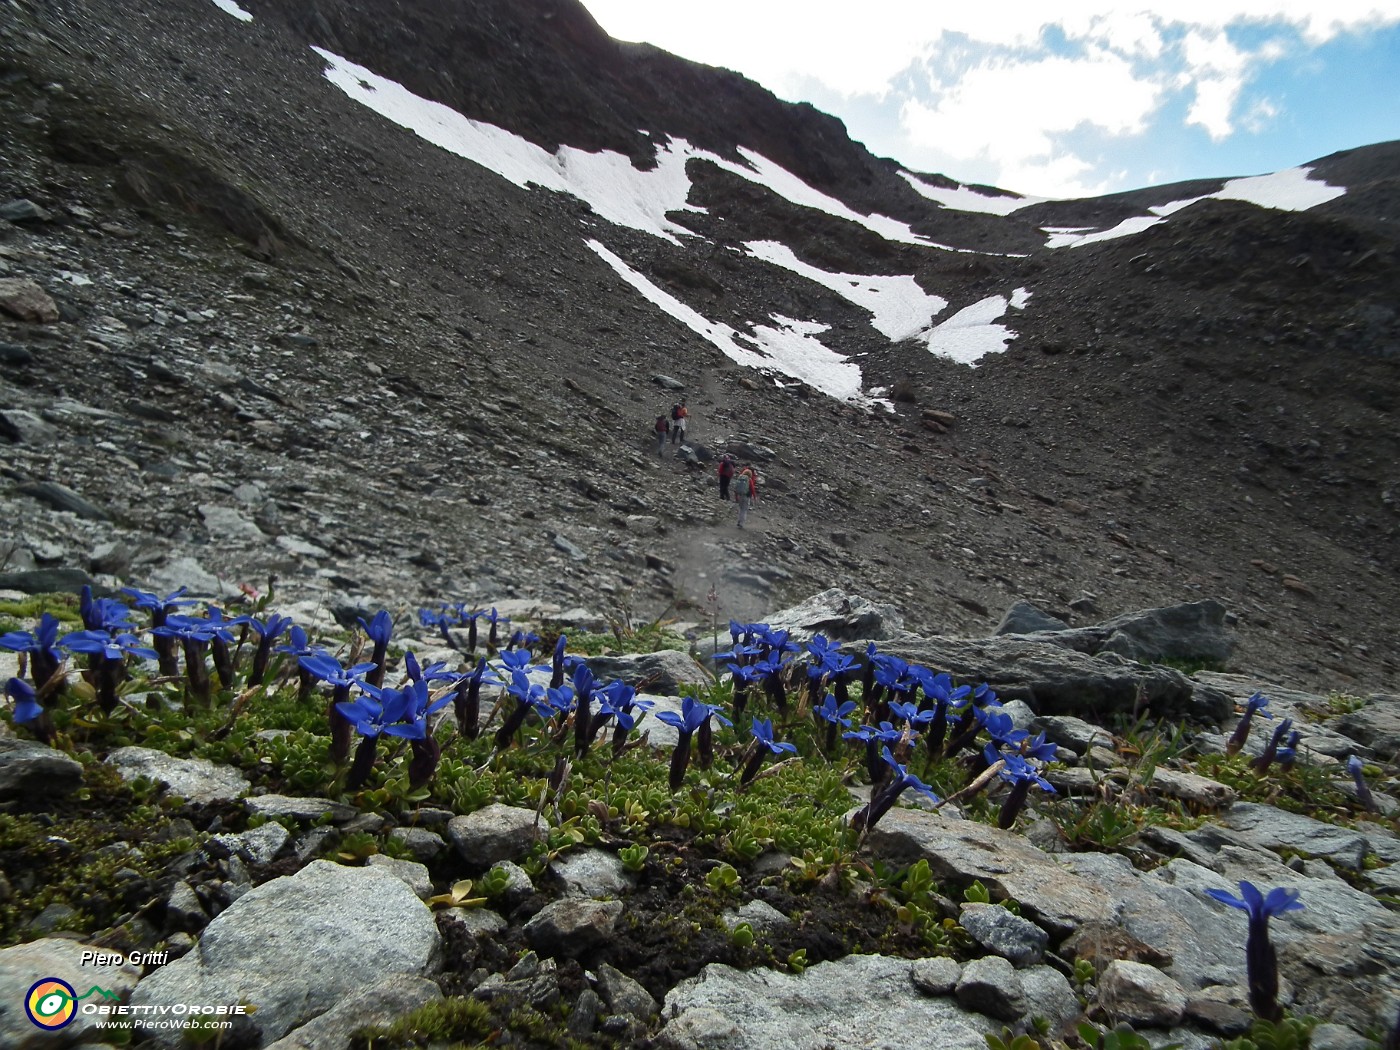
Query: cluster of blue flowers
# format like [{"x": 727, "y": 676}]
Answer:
[
  {"x": 905, "y": 705},
  {"x": 360, "y": 703}
]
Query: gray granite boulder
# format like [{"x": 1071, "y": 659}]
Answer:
[
  {"x": 990, "y": 986},
  {"x": 572, "y": 926},
  {"x": 1024, "y": 617},
  {"x": 380, "y": 1004},
  {"x": 193, "y": 779},
  {"x": 861, "y": 1000},
  {"x": 963, "y": 851},
  {"x": 1275, "y": 829},
  {"x": 494, "y": 833},
  {"x": 1056, "y": 680},
  {"x": 840, "y": 616},
  {"x": 1015, "y": 939},
  {"x": 29, "y": 769},
  {"x": 297, "y": 946},
  {"x": 1140, "y": 994},
  {"x": 662, "y": 672}
]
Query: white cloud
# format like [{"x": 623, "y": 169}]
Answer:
[
  {"x": 953, "y": 71},
  {"x": 1029, "y": 103}
]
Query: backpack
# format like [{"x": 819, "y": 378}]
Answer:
[
  {"x": 661, "y": 425},
  {"x": 726, "y": 466},
  {"x": 676, "y": 410}
]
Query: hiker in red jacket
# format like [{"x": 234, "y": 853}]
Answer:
[
  {"x": 663, "y": 427},
  {"x": 727, "y": 466},
  {"x": 680, "y": 418}
]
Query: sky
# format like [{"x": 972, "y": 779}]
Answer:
[{"x": 1060, "y": 99}]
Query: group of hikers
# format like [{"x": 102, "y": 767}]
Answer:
[{"x": 744, "y": 480}]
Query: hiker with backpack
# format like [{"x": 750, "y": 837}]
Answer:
[
  {"x": 727, "y": 465},
  {"x": 745, "y": 490},
  {"x": 679, "y": 415},
  {"x": 663, "y": 427}
]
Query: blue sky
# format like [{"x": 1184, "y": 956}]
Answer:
[{"x": 1057, "y": 99}]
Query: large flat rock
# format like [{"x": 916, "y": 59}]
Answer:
[
  {"x": 861, "y": 1000},
  {"x": 964, "y": 851},
  {"x": 297, "y": 946}
]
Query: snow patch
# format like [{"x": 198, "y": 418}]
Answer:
[
  {"x": 972, "y": 332},
  {"x": 229, "y": 7},
  {"x": 606, "y": 181},
  {"x": 1073, "y": 239},
  {"x": 899, "y": 308},
  {"x": 964, "y": 198},
  {"x": 1289, "y": 190},
  {"x": 787, "y": 346}
]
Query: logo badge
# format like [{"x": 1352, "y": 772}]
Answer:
[{"x": 51, "y": 1003}]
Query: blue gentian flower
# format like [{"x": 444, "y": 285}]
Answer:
[
  {"x": 693, "y": 714},
  {"x": 763, "y": 736},
  {"x": 159, "y": 608},
  {"x": 194, "y": 634},
  {"x": 40, "y": 645},
  {"x": 911, "y": 715},
  {"x": 999, "y": 726},
  {"x": 1039, "y": 748},
  {"x": 874, "y": 737},
  {"x": 154, "y": 603},
  {"x": 1262, "y": 763},
  {"x": 467, "y": 704},
  {"x": 763, "y": 744},
  {"x": 1363, "y": 790},
  {"x": 107, "y": 653},
  {"x": 323, "y": 667},
  {"x": 834, "y": 713},
  {"x": 1021, "y": 775},
  {"x": 444, "y": 620},
  {"x": 1256, "y": 704},
  {"x": 470, "y": 619},
  {"x": 107, "y": 646},
  {"x": 893, "y": 673},
  {"x": 379, "y": 710},
  {"x": 516, "y": 660},
  {"x": 299, "y": 645},
  {"x": 268, "y": 632},
  {"x": 379, "y": 630},
  {"x": 584, "y": 682},
  {"x": 102, "y": 614},
  {"x": 497, "y": 621},
  {"x": 527, "y": 695},
  {"x": 884, "y": 796},
  {"x": 620, "y": 700},
  {"x": 27, "y": 707},
  {"x": 1261, "y": 964},
  {"x": 830, "y": 711},
  {"x": 557, "y": 663}
]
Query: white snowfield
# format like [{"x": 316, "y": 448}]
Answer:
[
  {"x": 606, "y": 180},
  {"x": 232, "y": 8},
  {"x": 965, "y": 198},
  {"x": 899, "y": 308},
  {"x": 1292, "y": 189},
  {"x": 787, "y": 346}
]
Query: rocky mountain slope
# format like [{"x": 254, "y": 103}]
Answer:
[{"x": 290, "y": 336}]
